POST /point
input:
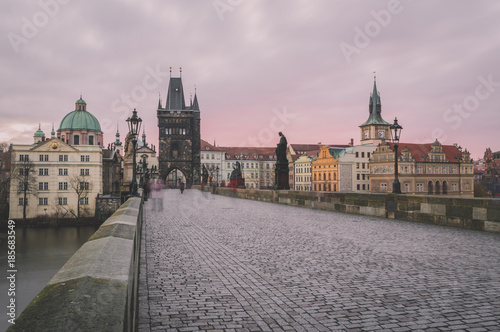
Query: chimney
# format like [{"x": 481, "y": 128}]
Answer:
[{"x": 352, "y": 142}]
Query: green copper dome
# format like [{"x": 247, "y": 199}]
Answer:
[
  {"x": 80, "y": 119},
  {"x": 39, "y": 133}
]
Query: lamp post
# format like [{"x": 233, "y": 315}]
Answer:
[
  {"x": 217, "y": 170},
  {"x": 134, "y": 126},
  {"x": 395, "y": 134}
]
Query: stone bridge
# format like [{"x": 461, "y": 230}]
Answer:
[{"x": 214, "y": 263}]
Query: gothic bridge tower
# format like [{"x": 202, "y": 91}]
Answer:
[{"x": 179, "y": 134}]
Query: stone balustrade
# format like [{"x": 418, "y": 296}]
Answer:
[{"x": 96, "y": 290}]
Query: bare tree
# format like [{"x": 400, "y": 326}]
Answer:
[
  {"x": 23, "y": 172},
  {"x": 82, "y": 187}
]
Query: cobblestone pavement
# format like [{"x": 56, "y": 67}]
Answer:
[{"x": 212, "y": 263}]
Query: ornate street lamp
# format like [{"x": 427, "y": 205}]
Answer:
[
  {"x": 395, "y": 135},
  {"x": 134, "y": 126}
]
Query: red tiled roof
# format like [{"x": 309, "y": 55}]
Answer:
[
  {"x": 204, "y": 144},
  {"x": 419, "y": 152}
]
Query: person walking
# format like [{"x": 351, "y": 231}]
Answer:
[{"x": 181, "y": 187}]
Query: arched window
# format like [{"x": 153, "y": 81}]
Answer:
[
  {"x": 445, "y": 187},
  {"x": 429, "y": 188},
  {"x": 335, "y": 176},
  {"x": 438, "y": 187}
]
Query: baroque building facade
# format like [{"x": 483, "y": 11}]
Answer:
[
  {"x": 179, "y": 134},
  {"x": 63, "y": 180},
  {"x": 325, "y": 169},
  {"x": 428, "y": 169}
]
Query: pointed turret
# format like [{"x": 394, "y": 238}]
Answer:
[
  {"x": 375, "y": 107},
  {"x": 195, "y": 106},
  {"x": 53, "y": 132},
  {"x": 144, "y": 136},
  {"x": 159, "y": 103},
  {"x": 117, "y": 141},
  {"x": 175, "y": 95}
]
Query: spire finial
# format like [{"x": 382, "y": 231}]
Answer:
[
  {"x": 374, "y": 76},
  {"x": 39, "y": 125},
  {"x": 180, "y": 70}
]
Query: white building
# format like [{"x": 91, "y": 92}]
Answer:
[
  {"x": 354, "y": 169},
  {"x": 62, "y": 175}
]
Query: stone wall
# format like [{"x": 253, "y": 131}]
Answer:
[
  {"x": 96, "y": 290},
  {"x": 469, "y": 213}
]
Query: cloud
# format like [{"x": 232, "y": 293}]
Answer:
[{"x": 263, "y": 55}]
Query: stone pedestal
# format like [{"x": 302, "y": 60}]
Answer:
[{"x": 282, "y": 176}]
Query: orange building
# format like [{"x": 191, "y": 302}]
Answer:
[{"x": 325, "y": 169}]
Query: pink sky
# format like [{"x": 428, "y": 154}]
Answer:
[{"x": 254, "y": 61}]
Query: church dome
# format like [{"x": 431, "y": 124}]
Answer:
[
  {"x": 39, "y": 133},
  {"x": 80, "y": 119}
]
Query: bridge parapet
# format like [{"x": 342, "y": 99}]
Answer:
[
  {"x": 469, "y": 213},
  {"x": 96, "y": 290}
]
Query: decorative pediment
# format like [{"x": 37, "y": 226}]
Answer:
[{"x": 53, "y": 144}]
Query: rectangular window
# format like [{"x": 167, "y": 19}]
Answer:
[
  {"x": 63, "y": 171},
  {"x": 383, "y": 187},
  {"x": 357, "y": 176},
  {"x": 368, "y": 154},
  {"x": 63, "y": 185},
  {"x": 84, "y": 186},
  {"x": 63, "y": 157},
  {"x": 63, "y": 201},
  {"x": 357, "y": 186},
  {"x": 84, "y": 171},
  {"x": 43, "y": 201},
  {"x": 420, "y": 187},
  {"x": 43, "y": 171},
  {"x": 454, "y": 187},
  {"x": 44, "y": 157},
  {"x": 362, "y": 154},
  {"x": 84, "y": 201},
  {"x": 364, "y": 187},
  {"x": 24, "y": 157},
  {"x": 357, "y": 165},
  {"x": 43, "y": 186},
  {"x": 357, "y": 154},
  {"x": 363, "y": 165},
  {"x": 22, "y": 202},
  {"x": 213, "y": 156},
  {"x": 364, "y": 177},
  {"x": 84, "y": 158}
]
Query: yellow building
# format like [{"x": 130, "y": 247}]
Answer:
[{"x": 325, "y": 169}]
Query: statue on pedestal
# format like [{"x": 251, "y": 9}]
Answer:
[
  {"x": 236, "y": 180},
  {"x": 281, "y": 172}
]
